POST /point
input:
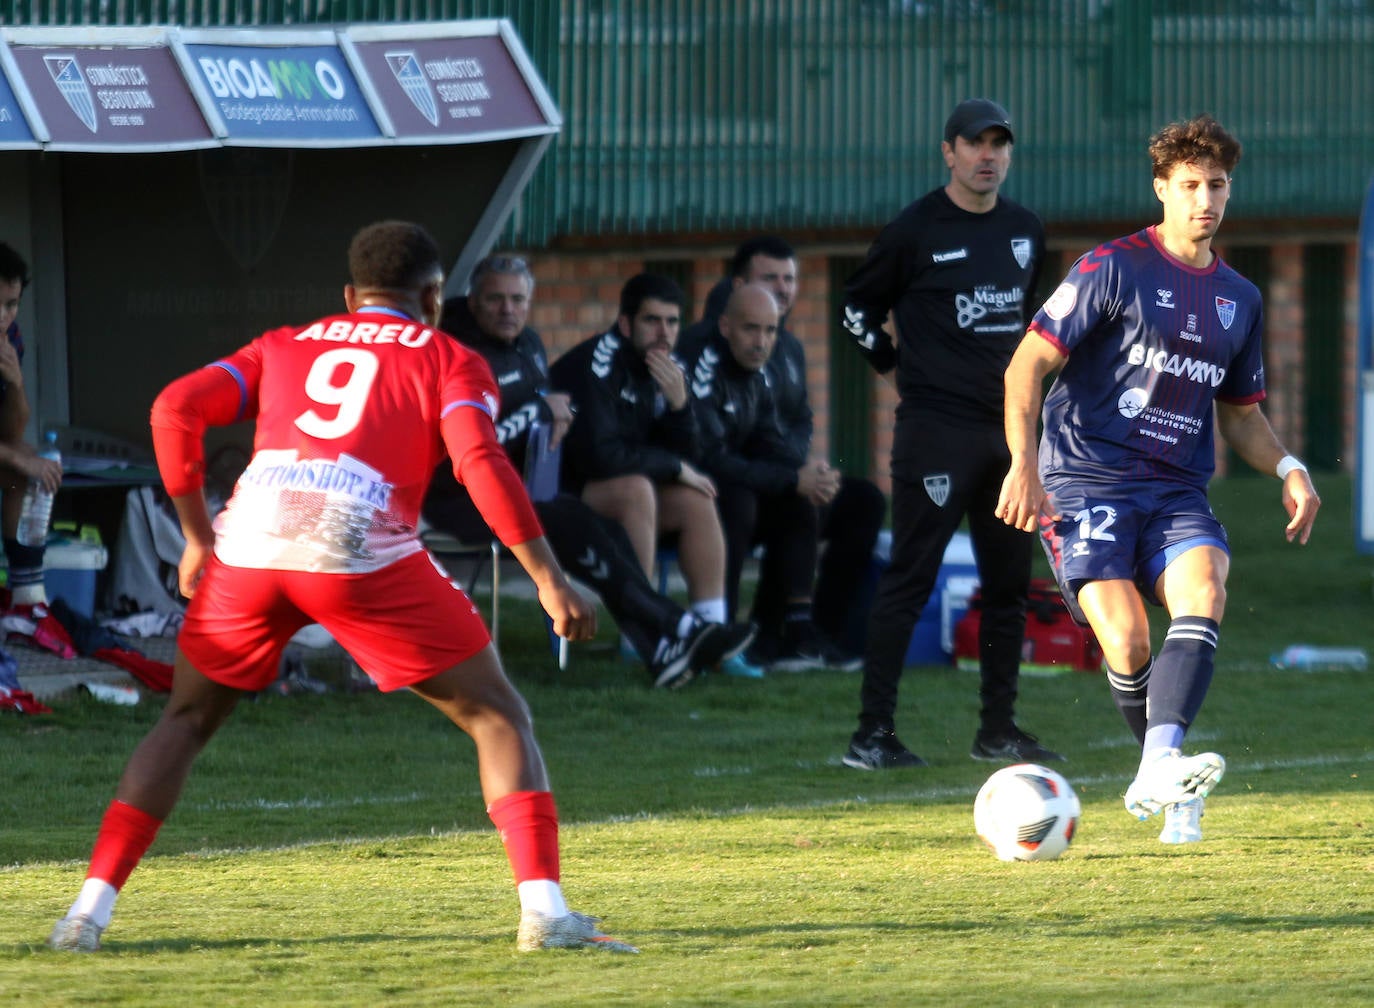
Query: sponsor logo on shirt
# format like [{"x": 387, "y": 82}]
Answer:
[
  {"x": 1132, "y": 403},
  {"x": 969, "y": 308},
  {"x": 1164, "y": 298},
  {"x": 1021, "y": 251},
  {"x": 953, "y": 255},
  {"x": 1061, "y": 302},
  {"x": 1164, "y": 362}
]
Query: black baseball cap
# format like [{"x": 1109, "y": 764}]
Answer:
[{"x": 971, "y": 117}]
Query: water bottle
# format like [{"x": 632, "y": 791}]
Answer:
[
  {"x": 1311, "y": 658},
  {"x": 37, "y": 508}
]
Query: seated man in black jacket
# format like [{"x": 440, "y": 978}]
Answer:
[
  {"x": 634, "y": 453},
  {"x": 768, "y": 491},
  {"x": 674, "y": 644},
  {"x": 851, "y": 519}
]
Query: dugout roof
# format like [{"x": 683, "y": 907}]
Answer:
[{"x": 179, "y": 190}]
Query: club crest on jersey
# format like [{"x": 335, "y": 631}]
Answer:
[
  {"x": 1021, "y": 251},
  {"x": 1226, "y": 311},
  {"x": 937, "y": 486}
]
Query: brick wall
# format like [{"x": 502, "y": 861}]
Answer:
[{"x": 576, "y": 296}]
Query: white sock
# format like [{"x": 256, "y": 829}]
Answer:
[
  {"x": 96, "y": 900},
  {"x": 684, "y": 625},
  {"x": 29, "y": 595},
  {"x": 712, "y": 610},
  {"x": 1159, "y": 740},
  {"x": 543, "y": 895}
]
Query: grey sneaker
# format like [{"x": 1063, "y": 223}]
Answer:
[
  {"x": 571, "y": 931},
  {"x": 1013, "y": 746},
  {"x": 1182, "y": 822},
  {"x": 879, "y": 750},
  {"x": 75, "y": 934},
  {"x": 804, "y": 648},
  {"x": 1173, "y": 778}
]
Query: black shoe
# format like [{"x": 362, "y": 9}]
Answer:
[
  {"x": 764, "y": 649},
  {"x": 720, "y": 642},
  {"x": 879, "y": 750},
  {"x": 805, "y": 648},
  {"x": 678, "y": 660},
  {"x": 1011, "y": 746}
]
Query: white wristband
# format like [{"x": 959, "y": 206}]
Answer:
[{"x": 1287, "y": 464}]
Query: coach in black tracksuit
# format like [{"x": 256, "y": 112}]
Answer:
[
  {"x": 674, "y": 645},
  {"x": 849, "y": 521},
  {"x": 767, "y": 491},
  {"x": 955, "y": 270}
]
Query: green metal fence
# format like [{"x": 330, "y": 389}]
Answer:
[{"x": 823, "y": 116}]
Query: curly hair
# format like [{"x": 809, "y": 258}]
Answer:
[
  {"x": 1199, "y": 139},
  {"x": 393, "y": 255}
]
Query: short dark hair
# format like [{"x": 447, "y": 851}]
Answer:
[
  {"x": 643, "y": 286},
  {"x": 13, "y": 266},
  {"x": 765, "y": 245},
  {"x": 1200, "y": 138},
  {"x": 393, "y": 255}
]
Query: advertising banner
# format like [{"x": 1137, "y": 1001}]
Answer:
[
  {"x": 15, "y": 133},
  {"x": 455, "y": 88},
  {"x": 99, "y": 92},
  {"x": 262, "y": 90}
]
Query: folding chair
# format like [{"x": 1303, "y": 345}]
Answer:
[{"x": 542, "y": 465}]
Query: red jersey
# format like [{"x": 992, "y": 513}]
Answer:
[{"x": 353, "y": 413}]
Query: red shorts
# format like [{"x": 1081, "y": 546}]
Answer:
[{"x": 402, "y": 624}]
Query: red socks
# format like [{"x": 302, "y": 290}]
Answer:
[
  {"x": 125, "y": 835},
  {"x": 528, "y": 824}
]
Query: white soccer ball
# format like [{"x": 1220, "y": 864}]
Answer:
[{"x": 1026, "y": 812}]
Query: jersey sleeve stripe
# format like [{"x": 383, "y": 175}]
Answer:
[
  {"x": 237, "y": 375},
  {"x": 1050, "y": 337},
  {"x": 475, "y": 403}
]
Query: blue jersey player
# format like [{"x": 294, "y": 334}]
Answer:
[{"x": 1152, "y": 335}]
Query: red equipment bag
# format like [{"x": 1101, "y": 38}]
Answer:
[{"x": 1054, "y": 642}]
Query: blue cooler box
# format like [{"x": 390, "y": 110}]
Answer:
[
  {"x": 69, "y": 573},
  {"x": 932, "y": 640}
]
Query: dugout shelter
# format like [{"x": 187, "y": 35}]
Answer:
[{"x": 177, "y": 191}]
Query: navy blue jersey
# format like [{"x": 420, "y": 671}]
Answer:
[{"x": 1151, "y": 343}]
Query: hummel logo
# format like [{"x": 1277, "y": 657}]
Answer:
[
  {"x": 953, "y": 255},
  {"x": 854, "y": 325},
  {"x": 1164, "y": 298},
  {"x": 603, "y": 354}
]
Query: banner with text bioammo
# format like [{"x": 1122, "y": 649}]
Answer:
[
  {"x": 167, "y": 88},
  {"x": 267, "y": 89}
]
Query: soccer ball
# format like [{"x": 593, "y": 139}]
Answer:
[{"x": 1026, "y": 812}]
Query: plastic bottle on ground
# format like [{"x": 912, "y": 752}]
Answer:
[{"x": 1312, "y": 658}]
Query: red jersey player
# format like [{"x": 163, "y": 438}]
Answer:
[{"x": 353, "y": 412}]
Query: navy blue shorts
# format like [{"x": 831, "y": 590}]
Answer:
[{"x": 1128, "y": 531}]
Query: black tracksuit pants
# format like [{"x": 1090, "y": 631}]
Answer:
[{"x": 942, "y": 473}]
